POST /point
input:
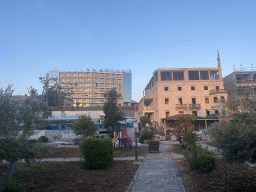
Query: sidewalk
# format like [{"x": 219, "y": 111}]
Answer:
[{"x": 158, "y": 172}]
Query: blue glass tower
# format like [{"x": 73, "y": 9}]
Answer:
[{"x": 127, "y": 87}]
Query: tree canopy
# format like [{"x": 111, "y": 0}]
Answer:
[
  {"x": 144, "y": 120},
  {"x": 85, "y": 126},
  {"x": 185, "y": 122},
  {"x": 111, "y": 111},
  {"x": 17, "y": 119},
  {"x": 236, "y": 132}
]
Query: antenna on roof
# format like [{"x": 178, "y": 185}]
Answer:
[
  {"x": 252, "y": 67},
  {"x": 218, "y": 58},
  {"x": 88, "y": 69},
  {"x": 81, "y": 70},
  {"x": 93, "y": 69}
]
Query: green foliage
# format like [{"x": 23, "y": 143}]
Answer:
[
  {"x": 143, "y": 135},
  {"x": 43, "y": 139},
  {"x": 185, "y": 122},
  {"x": 16, "y": 120},
  {"x": 98, "y": 153},
  {"x": 53, "y": 95},
  {"x": 111, "y": 111},
  {"x": 200, "y": 159},
  {"x": 144, "y": 120},
  {"x": 190, "y": 138},
  {"x": 85, "y": 126},
  {"x": 236, "y": 132},
  {"x": 15, "y": 186}
]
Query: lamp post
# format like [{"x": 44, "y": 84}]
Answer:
[
  {"x": 136, "y": 152},
  {"x": 147, "y": 131}
]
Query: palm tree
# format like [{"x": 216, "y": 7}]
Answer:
[{"x": 185, "y": 123}]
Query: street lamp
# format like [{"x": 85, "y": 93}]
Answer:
[
  {"x": 147, "y": 131},
  {"x": 136, "y": 152}
]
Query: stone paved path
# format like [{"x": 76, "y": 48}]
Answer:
[{"x": 158, "y": 172}]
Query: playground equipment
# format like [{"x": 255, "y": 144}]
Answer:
[
  {"x": 116, "y": 137},
  {"x": 121, "y": 131}
]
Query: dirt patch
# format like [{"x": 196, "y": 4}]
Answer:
[
  {"x": 68, "y": 152},
  {"x": 69, "y": 176},
  {"x": 225, "y": 177}
]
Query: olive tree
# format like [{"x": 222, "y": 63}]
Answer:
[
  {"x": 236, "y": 132},
  {"x": 85, "y": 126},
  {"x": 16, "y": 121}
]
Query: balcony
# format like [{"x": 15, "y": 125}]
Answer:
[
  {"x": 149, "y": 108},
  {"x": 217, "y": 91},
  {"x": 181, "y": 106},
  {"x": 194, "y": 106}
]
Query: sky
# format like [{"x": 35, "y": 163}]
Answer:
[{"x": 141, "y": 35}]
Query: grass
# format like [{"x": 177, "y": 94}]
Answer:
[{"x": 225, "y": 176}]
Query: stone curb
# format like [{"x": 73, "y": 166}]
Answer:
[{"x": 77, "y": 159}]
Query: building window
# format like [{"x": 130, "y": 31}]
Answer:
[
  {"x": 193, "y": 100},
  {"x": 215, "y": 99},
  {"x": 206, "y": 100},
  {"x": 222, "y": 99},
  {"x": 166, "y": 101},
  {"x": 167, "y": 114},
  {"x": 166, "y": 76},
  {"x": 194, "y": 113},
  {"x": 179, "y": 100},
  {"x": 207, "y": 113},
  {"x": 165, "y": 88},
  {"x": 178, "y": 75},
  {"x": 216, "y": 112},
  {"x": 205, "y": 87},
  {"x": 193, "y": 75},
  {"x": 181, "y": 112},
  {"x": 179, "y": 89},
  {"x": 217, "y": 87},
  {"x": 192, "y": 88},
  {"x": 204, "y": 75}
]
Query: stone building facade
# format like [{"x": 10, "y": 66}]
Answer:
[{"x": 195, "y": 91}]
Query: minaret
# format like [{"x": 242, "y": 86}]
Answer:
[{"x": 218, "y": 58}]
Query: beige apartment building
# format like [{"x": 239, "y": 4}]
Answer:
[
  {"x": 88, "y": 87},
  {"x": 195, "y": 91}
]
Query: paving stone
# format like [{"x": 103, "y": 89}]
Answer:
[{"x": 158, "y": 172}]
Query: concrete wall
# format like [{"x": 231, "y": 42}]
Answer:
[
  {"x": 38, "y": 134},
  {"x": 58, "y": 135}
]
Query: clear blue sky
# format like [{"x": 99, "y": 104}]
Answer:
[{"x": 142, "y": 35}]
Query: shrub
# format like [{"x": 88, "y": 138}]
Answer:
[
  {"x": 190, "y": 138},
  {"x": 43, "y": 139},
  {"x": 143, "y": 135},
  {"x": 15, "y": 186},
  {"x": 97, "y": 152},
  {"x": 200, "y": 159}
]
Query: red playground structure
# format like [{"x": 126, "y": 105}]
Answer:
[{"x": 121, "y": 135}]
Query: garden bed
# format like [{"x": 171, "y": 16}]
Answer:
[
  {"x": 69, "y": 176},
  {"x": 70, "y": 152},
  {"x": 225, "y": 177}
]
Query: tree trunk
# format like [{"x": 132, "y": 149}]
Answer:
[{"x": 8, "y": 175}]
